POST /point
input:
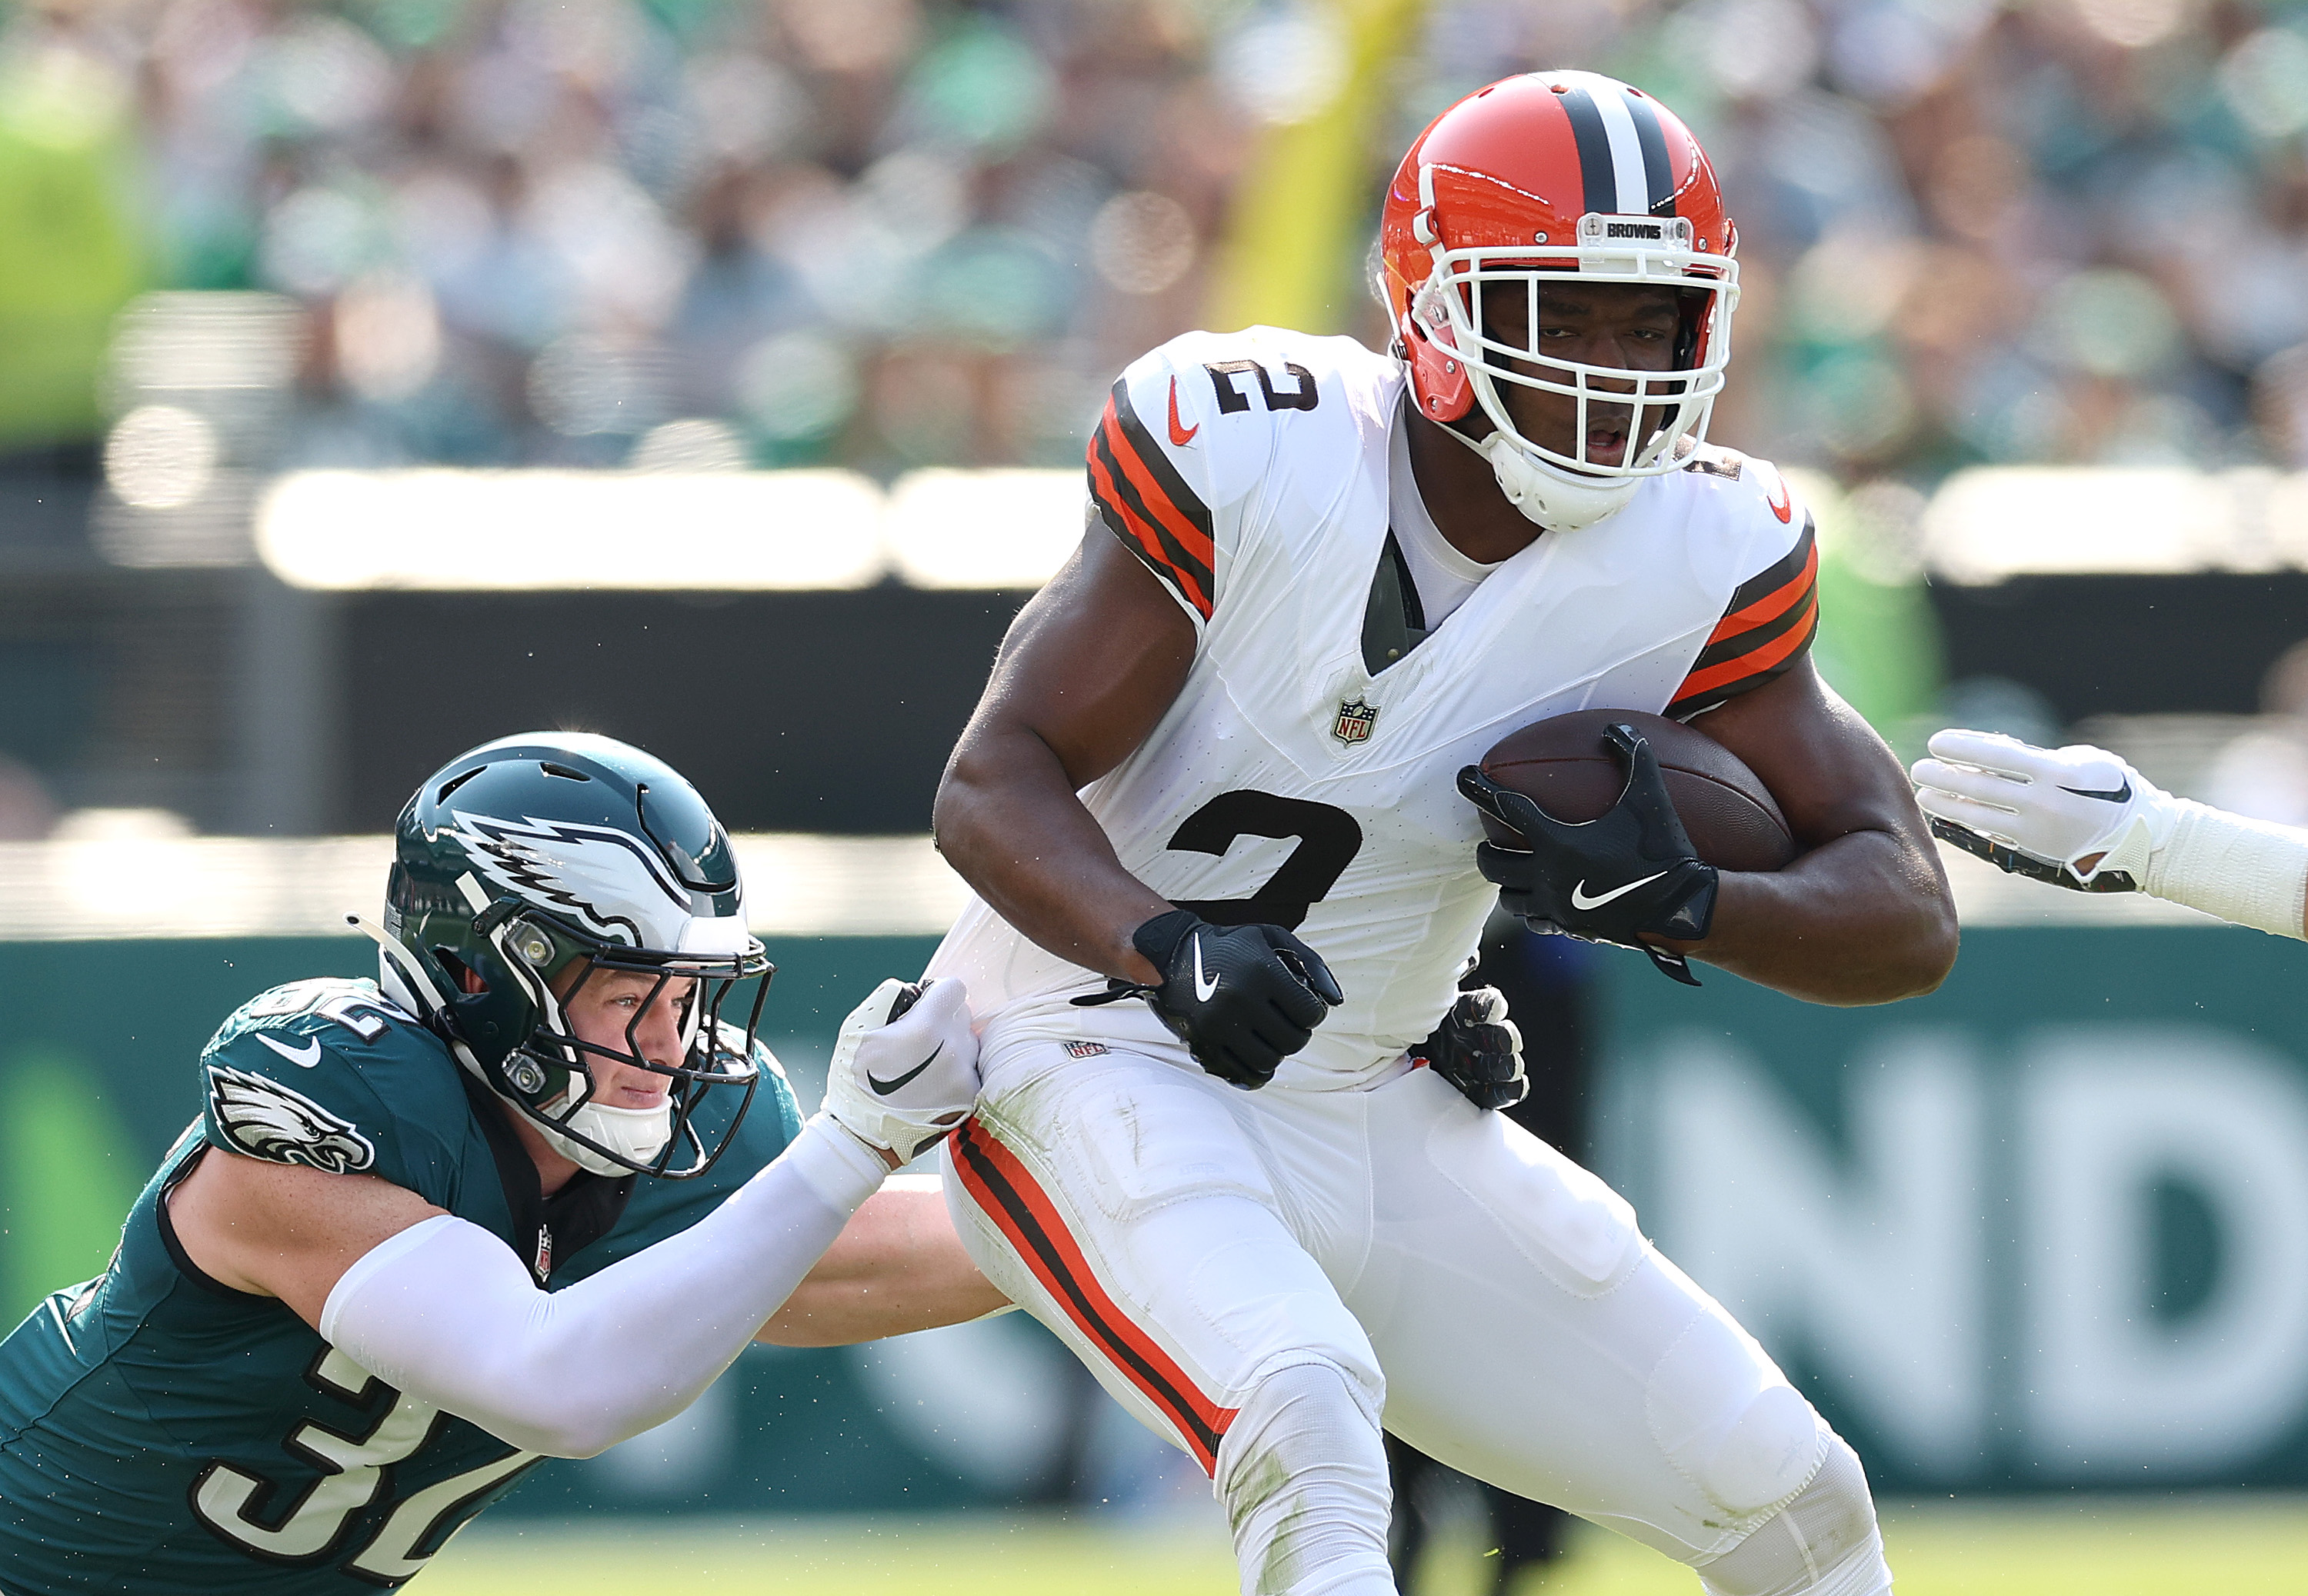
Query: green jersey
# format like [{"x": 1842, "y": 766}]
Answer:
[{"x": 162, "y": 1432}]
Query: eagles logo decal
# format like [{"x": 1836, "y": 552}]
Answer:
[
  {"x": 583, "y": 870},
  {"x": 266, "y": 1120}
]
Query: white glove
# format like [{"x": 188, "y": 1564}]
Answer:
[
  {"x": 904, "y": 1067},
  {"x": 2077, "y": 817},
  {"x": 2082, "y": 818}
]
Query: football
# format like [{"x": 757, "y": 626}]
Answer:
[{"x": 1562, "y": 765}]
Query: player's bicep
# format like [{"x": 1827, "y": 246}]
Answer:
[
  {"x": 1091, "y": 664},
  {"x": 285, "y": 1230},
  {"x": 1831, "y": 774}
]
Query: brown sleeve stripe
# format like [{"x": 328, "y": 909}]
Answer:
[
  {"x": 1769, "y": 596},
  {"x": 1005, "y": 1191},
  {"x": 1717, "y": 684},
  {"x": 1145, "y": 501},
  {"x": 1770, "y": 622}
]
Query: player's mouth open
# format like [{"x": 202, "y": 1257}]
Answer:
[{"x": 1606, "y": 445}]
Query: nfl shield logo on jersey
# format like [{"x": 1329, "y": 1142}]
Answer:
[{"x": 1354, "y": 721}]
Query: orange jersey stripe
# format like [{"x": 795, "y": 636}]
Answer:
[
  {"x": 1756, "y": 661},
  {"x": 1144, "y": 538},
  {"x": 1004, "y": 1189},
  {"x": 1193, "y": 539},
  {"x": 1772, "y": 604}
]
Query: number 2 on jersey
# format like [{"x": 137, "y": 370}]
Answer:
[
  {"x": 1223, "y": 373},
  {"x": 1329, "y": 838}
]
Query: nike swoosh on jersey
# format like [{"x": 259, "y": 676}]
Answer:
[
  {"x": 1579, "y": 900},
  {"x": 1183, "y": 435},
  {"x": 2121, "y": 795},
  {"x": 1783, "y": 503},
  {"x": 882, "y": 1088},
  {"x": 1201, "y": 992},
  {"x": 304, "y": 1056}
]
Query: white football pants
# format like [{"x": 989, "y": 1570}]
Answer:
[{"x": 1259, "y": 1275}]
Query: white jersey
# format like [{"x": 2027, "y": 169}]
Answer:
[{"x": 1290, "y": 782}]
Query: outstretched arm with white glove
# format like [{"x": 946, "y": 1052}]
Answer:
[
  {"x": 444, "y": 1311},
  {"x": 2080, "y": 818}
]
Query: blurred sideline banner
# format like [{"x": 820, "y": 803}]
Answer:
[{"x": 2047, "y": 1227}]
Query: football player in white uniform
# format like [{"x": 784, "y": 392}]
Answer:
[
  {"x": 1214, "y": 769},
  {"x": 2082, "y": 818}
]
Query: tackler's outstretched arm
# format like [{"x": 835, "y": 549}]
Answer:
[
  {"x": 441, "y": 1308},
  {"x": 2082, "y": 818}
]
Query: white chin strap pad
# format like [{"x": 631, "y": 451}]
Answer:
[
  {"x": 1548, "y": 498},
  {"x": 638, "y": 1133}
]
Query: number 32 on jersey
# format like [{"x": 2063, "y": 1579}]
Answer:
[{"x": 313, "y": 1527}]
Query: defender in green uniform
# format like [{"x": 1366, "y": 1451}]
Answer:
[{"x": 543, "y": 1075}]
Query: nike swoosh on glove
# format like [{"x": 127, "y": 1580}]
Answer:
[
  {"x": 904, "y": 1067},
  {"x": 2076, "y": 817},
  {"x": 1478, "y": 1050},
  {"x": 1631, "y": 872},
  {"x": 1241, "y": 998}
]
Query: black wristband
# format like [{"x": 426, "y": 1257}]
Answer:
[{"x": 1158, "y": 939}]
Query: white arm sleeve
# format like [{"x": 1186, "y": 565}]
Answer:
[
  {"x": 2250, "y": 871},
  {"x": 446, "y": 1312}
]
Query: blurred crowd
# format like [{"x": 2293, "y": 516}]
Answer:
[{"x": 897, "y": 232}]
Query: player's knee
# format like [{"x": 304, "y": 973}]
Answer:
[
  {"x": 1730, "y": 1421},
  {"x": 1824, "y": 1543},
  {"x": 1299, "y": 1414},
  {"x": 1766, "y": 1455},
  {"x": 1302, "y": 1473}
]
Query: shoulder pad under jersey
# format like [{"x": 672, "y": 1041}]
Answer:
[
  {"x": 333, "y": 1074},
  {"x": 1197, "y": 425}
]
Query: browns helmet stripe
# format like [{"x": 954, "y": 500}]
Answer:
[
  {"x": 1628, "y": 178},
  {"x": 1006, "y": 1192},
  {"x": 1597, "y": 172},
  {"x": 1659, "y": 172}
]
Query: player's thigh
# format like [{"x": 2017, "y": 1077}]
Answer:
[
  {"x": 1121, "y": 1202},
  {"x": 1532, "y": 1338}
]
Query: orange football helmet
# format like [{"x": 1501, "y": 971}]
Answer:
[{"x": 1558, "y": 176}]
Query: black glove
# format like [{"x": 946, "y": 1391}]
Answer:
[
  {"x": 1477, "y": 1049},
  {"x": 1241, "y": 998},
  {"x": 1611, "y": 880}
]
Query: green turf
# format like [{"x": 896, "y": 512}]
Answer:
[{"x": 2233, "y": 1546}]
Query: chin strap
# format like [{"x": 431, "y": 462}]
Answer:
[
  {"x": 637, "y": 1134},
  {"x": 404, "y": 979},
  {"x": 1548, "y": 497}
]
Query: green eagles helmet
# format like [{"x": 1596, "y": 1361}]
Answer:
[{"x": 525, "y": 868}]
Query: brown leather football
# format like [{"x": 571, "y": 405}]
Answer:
[{"x": 1562, "y": 765}]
